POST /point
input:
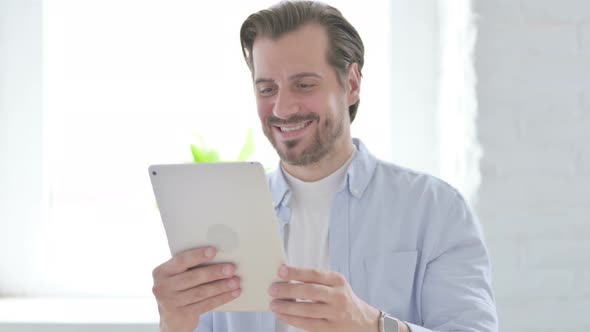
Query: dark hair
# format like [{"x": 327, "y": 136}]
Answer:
[{"x": 346, "y": 46}]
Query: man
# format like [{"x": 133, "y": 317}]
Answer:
[{"x": 372, "y": 246}]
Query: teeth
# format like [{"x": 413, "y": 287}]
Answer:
[{"x": 286, "y": 130}]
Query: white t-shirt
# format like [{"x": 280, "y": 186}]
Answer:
[{"x": 307, "y": 234}]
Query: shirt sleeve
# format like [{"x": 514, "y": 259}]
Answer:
[
  {"x": 205, "y": 323},
  {"x": 456, "y": 291}
]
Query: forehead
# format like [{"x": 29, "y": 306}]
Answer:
[{"x": 304, "y": 49}]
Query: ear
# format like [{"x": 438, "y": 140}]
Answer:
[{"x": 353, "y": 83}]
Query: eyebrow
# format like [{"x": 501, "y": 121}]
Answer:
[{"x": 291, "y": 78}]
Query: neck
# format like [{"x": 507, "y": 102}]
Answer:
[{"x": 326, "y": 166}]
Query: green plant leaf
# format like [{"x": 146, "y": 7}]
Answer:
[
  {"x": 248, "y": 148},
  {"x": 196, "y": 154},
  {"x": 212, "y": 156},
  {"x": 203, "y": 155}
]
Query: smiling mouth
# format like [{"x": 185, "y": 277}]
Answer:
[{"x": 291, "y": 128}]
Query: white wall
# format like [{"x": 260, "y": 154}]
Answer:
[
  {"x": 20, "y": 139},
  {"x": 414, "y": 62},
  {"x": 533, "y": 67}
]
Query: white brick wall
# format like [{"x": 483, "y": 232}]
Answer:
[
  {"x": 555, "y": 11},
  {"x": 585, "y": 38},
  {"x": 532, "y": 60}
]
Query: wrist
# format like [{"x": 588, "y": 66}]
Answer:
[
  {"x": 391, "y": 324},
  {"x": 374, "y": 319},
  {"x": 403, "y": 327}
]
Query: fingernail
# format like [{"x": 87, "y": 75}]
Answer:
[
  {"x": 209, "y": 252},
  {"x": 232, "y": 284},
  {"x": 226, "y": 270},
  {"x": 273, "y": 290},
  {"x": 235, "y": 293},
  {"x": 283, "y": 271}
]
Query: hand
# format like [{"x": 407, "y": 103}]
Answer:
[
  {"x": 333, "y": 306},
  {"x": 185, "y": 289}
]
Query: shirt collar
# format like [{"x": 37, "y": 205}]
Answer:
[
  {"x": 360, "y": 172},
  {"x": 361, "y": 169}
]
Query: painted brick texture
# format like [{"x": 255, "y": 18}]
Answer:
[{"x": 532, "y": 60}]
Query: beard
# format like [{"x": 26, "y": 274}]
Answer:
[{"x": 322, "y": 142}]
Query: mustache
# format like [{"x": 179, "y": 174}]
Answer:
[{"x": 273, "y": 120}]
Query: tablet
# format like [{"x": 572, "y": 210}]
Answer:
[{"x": 228, "y": 206}]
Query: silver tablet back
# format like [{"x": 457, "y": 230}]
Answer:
[{"x": 228, "y": 206}]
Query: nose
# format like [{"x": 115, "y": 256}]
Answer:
[{"x": 286, "y": 105}]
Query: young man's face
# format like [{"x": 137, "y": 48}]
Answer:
[{"x": 301, "y": 104}]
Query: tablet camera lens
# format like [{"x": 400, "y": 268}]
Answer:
[{"x": 154, "y": 173}]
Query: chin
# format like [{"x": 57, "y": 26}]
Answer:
[{"x": 289, "y": 155}]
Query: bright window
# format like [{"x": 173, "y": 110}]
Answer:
[{"x": 128, "y": 83}]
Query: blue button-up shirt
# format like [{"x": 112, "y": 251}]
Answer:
[{"x": 406, "y": 242}]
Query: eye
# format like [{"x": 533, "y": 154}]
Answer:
[
  {"x": 266, "y": 91},
  {"x": 305, "y": 86}
]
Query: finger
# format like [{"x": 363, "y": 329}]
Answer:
[
  {"x": 200, "y": 275},
  {"x": 307, "y": 324},
  {"x": 301, "y": 309},
  {"x": 183, "y": 261},
  {"x": 204, "y": 292},
  {"x": 302, "y": 291},
  {"x": 311, "y": 275},
  {"x": 215, "y": 301}
]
